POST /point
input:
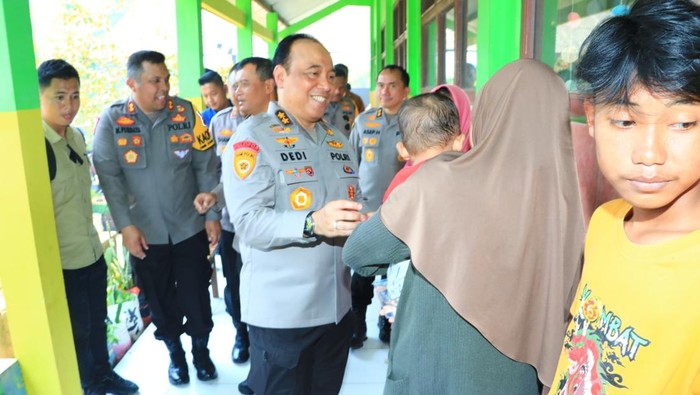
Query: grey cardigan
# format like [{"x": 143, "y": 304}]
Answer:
[{"x": 433, "y": 350}]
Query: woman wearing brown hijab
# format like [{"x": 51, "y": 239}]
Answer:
[{"x": 495, "y": 236}]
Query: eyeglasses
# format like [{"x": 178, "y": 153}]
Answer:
[{"x": 74, "y": 156}]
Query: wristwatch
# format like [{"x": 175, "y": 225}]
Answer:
[{"x": 309, "y": 226}]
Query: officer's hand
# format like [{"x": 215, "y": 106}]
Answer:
[
  {"x": 134, "y": 241},
  {"x": 338, "y": 218},
  {"x": 213, "y": 228},
  {"x": 204, "y": 201}
]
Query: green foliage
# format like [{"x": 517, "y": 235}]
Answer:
[{"x": 90, "y": 34}]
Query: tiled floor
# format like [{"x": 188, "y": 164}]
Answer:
[{"x": 146, "y": 363}]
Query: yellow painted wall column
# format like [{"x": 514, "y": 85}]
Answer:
[{"x": 30, "y": 269}]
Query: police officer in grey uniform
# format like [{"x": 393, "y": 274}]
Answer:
[
  {"x": 290, "y": 181},
  {"x": 341, "y": 110},
  {"x": 374, "y": 137},
  {"x": 250, "y": 80},
  {"x": 153, "y": 154}
]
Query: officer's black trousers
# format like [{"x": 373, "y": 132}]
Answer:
[
  {"x": 308, "y": 361},
  {"x": 362, "y": 290},
  {"x": 175, "y": 281},
  {"x": 86, "y": 293},
  {"x": 232, "y": 263}
]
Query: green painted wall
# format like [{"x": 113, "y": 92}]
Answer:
[
  {"x": 188, "y": 18},
  {"x": 498, "y": 38},
  {"x": 245, "y": 33}
]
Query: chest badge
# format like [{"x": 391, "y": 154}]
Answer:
[
  {"x": 136, "y": 141},
  {"x": 335, "y": 144},
  {"x": 287, "y": 142},
  {"x": 131, "y": 157},
  {"x": 125, "y": 121},
  {"x": 300, "y": 198},
  {"x": 351, "y": 192},
  {"x": 369, "y": 155}
]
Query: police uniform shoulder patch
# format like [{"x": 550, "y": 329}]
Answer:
[
  {"x": 202, "y": 138},
  {"x": 245, "y": 154}
]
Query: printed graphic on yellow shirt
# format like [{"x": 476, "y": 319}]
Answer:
[
  {"x": 245, "y": 154},
  {"x": 300, "y": 199},
  {"x": 598, "y": 345}
]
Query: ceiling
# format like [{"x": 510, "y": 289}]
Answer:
[{"x": 292, "y": 11}]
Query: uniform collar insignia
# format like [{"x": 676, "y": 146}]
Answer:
[{"x": 283, "y": 117}]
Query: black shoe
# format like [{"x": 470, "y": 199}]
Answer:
[
  {"x": 178, "y": 372},
  {"x": 357, "y": 340},
  {"x": 244, "y": 389},
  {"x": 384, "y": 329},
  {"x": 202, "y": 363},
  {"x": 240, "y": 353},
  {"x": 115, "y": 384},
  {"x": 94, "y": 391}
]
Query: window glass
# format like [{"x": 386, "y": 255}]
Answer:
[{"x": 575, "y": 19}]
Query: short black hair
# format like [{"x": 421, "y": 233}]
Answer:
[
  {"x": 428, "y": 120},
  {"x": 211, "y": 76},
  {"x": 55, "y": 68},
  {"x": 655, "y": 46},
  {"x": 398, "y": 69},
  {"x": 341, "y": 70},
  {"x": 263, "y": 67},
  {"x": 284, "y": 48},
  {"x": 134, "y": 66}
]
